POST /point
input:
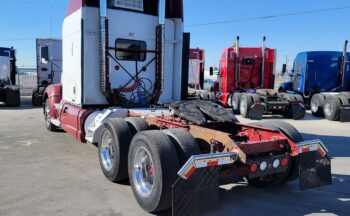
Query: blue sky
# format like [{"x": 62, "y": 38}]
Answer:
[{"x": 29, "y": 19}]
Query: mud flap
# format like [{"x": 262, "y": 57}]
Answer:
[
  {"x": 256, "y": 111},
  {"x": 12, "y": 97},
  {"x": 197, "y": 188},
  {"x": 298, "y": 111},
  {"x": 345, "y": 113},
  {"x": 314, "y": 165},
  {"x": 196, "y": 195}
]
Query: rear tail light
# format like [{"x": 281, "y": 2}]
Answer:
[
  {"x": 284, "y": 162},
  {"x": 276, "y": 163},
  {"x": 263, "y": 166},
  {"x": 253, "y": 167}
]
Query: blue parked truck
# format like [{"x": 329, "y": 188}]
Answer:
[{"x": 323, "y": 79}]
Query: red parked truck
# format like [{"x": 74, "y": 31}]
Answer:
[
  {"x": 196, "y": 80},
  {"x": 247, "y": 83},
  {"x": 123, "y": 88}
]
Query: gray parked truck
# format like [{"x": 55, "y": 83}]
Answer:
[{"x": 9, "y": 92}]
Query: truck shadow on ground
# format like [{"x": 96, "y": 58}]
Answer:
[
  {"x": 26, "y": 104},
  {"x": 286, "y": 199},
  {"x": 241, "y": 199},
  {"x": 308, "y": 116}
]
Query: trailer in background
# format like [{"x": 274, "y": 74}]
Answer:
[
  {"x": 322, "y": 78},
  {"x": 198, "y": 85},
  {"x": 49, "y": 67},
  {"x": 196, "y": 69},
  {"x": 247, "y": 84},
  {"x": 9, "y": 92}
]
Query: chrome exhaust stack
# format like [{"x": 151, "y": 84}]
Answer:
[
  {"x": 160, "y": 47},
  {"x": 238, "y": 75},
  {"x": 161, "y": 23},
  {"x": 263, "y": 47},
  {"x": 343, "y": 66},
  {"x": 103, "y": 33}
]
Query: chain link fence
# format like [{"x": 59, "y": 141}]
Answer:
[{"x": 27, "y": 80}]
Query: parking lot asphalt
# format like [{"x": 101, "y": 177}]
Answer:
[{"x": 43, "y": 173}]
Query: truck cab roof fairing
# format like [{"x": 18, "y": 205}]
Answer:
[{"x": 174, "y": 8}]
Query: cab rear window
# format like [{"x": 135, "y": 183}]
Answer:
[{"x": 130, "y": 50}]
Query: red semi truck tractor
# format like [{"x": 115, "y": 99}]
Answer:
[
  {"x": 247, "y": 80},
  {"x": 125, "y": 67}
]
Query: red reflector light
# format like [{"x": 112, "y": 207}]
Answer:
[
  {"x": 253, "y": 167},
  {"x": 284, "y": 162}
]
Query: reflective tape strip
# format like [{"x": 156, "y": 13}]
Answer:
[
  {"x": 206, "y": 160},
  {"x": 312, "y": 145},
  {"x": 189, "y": 172}
]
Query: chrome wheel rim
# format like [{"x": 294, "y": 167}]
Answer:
[
  {"x": 107, "y": 150},
  {"x": 234, "y": 103},
  {"x": 314, "y": 105},
  {"x": 242, "y": 107},
  {"x": 328, "y": 108},
  {"x": 47, "y": 113},
  {"x": 143, "y": 172}
]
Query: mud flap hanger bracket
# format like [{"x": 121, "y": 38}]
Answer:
[{"x": 206, "y": 160}]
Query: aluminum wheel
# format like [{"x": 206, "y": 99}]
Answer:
[
  {"x": 143, "y": 172},
  {"x": 234, "y": 103},
  {"x": 328, "y": 108},
  {"x": 47, "y": 113},
  {"x": 106, "y": 151},
  {"x": 314, "y": 105},
  {"x": 243, "y": 106}
]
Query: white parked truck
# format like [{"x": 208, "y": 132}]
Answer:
[
  {"x": 124, "y": 85},
  {"x": 49, "y": 67},
  {"x": 9, "y": 92}
]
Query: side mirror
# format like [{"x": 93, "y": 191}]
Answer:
[
  {"x": 211, "y": 71},
  {"x": 284, "y": 69}
]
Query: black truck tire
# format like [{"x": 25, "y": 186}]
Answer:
[
  {"x": 137, "y": 124},
  {"x": 160, "y": 168},
  {"x": 235, "y": 102},
  {"x": 185, "y": 144},
  {"x": 47, "y": 117},
  {"x": 113, "y": 148},
  {"x": 292, "y": 172},
  {"x": 316, "y": 104},
  {"x": 37, "y": 98},
  {"x": 245, "y": 104},
  {"x": 332, "y": 108}
]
